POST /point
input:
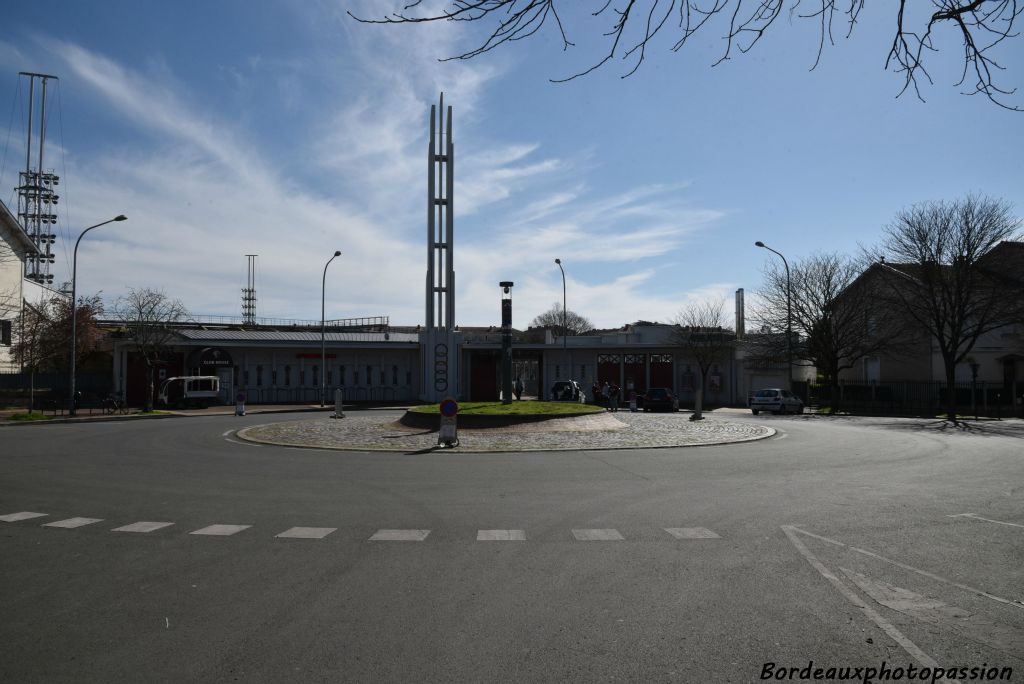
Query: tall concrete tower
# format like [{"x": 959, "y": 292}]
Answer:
[{"x": 439, "y": 345}]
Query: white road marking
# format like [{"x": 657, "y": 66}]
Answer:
[
  {"x": 978, "y": 517},
  {"x": 307, "y": 532},
  {"x": 24, "y": 515},
  {"x": 597, "y": 535},
  {"x": 911, "y": 568},
  {"x": 929, "y": 575},
  {"x": 400, "y": 535},
  {"x": 235, "y": 441},
  {"x": 221, "y": 530},
  {"x": 72, "y": 523},
  {"x": 906, "y": 644},
  {"x": 935, "y": 612},
  {"x": 691, "y": 533},
  {"x": 143, "y": 527},
  {"x": 501, "y": 535}
]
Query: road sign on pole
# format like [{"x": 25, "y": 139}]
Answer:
[{"x": 448, "y": 433}]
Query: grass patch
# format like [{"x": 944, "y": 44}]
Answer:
[
  {"x": 516, "y": 408},
  {"x": 24, "y": 417}
]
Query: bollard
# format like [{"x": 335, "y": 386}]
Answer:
[
  {"x": 339, "y": 409},
  {"x": 240, "y": 404}
]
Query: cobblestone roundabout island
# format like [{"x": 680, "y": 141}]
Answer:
[{"x": 600, "y": 431}]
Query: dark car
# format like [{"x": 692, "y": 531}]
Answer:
[{"x": 660, "y": 399}]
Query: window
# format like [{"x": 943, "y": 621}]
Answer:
[
  {"x": 355, "y": 377},
  {"x": 330, "y": 376},
  {"x": 316, "y": 375},
  {"x": 287, "y": 376},
  {"x": 341, "y": 375},
  {"x": 245, "y": 380},
  {"x": 382, "y": 380},
  {"x": 259, "y": 376},
  {"x": 302, "y": 376},
  {"x": 558, "y": 371},
  {"x": 583, "y": 371},
  {"x": 394, "y": 375},
  {"x": 369, "y": 376},
  {"x": 273, "y": 377},
  {"x": 5, "y": 333},
  {"x": 408, "y": 377}
]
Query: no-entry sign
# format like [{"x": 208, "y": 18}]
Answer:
[{"x": 449, "y": 408}]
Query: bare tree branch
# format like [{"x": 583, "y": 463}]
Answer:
[{"x": 981, "y": 24}]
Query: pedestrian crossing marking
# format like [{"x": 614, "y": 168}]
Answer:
[
  {"x": 221, "y": 530},
  {"x": 501, "y": 535},
  {"x": 24, "y": 515},
  {"x": 307, "y": 532},
  {"x": 597, "y": 535},
  {"x": 143, "y": 527},
  {"x": 400, "y": 535},
  {"x": 72, "y": 523},
  {"x": 691, "y": 533}
]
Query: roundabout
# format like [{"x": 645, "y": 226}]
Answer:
[{"x": 597, "y": 431}]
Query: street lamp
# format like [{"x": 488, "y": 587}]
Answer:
[
  {"x": 789, "y": 316},
  {"x": 506, "y": 341},
  {"x": 564, "y": 315},
  {"x": 74, "y": 311},
  {"x": 323, "y": 344}
]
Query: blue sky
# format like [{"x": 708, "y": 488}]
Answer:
[{"x": 287, "y": 130}]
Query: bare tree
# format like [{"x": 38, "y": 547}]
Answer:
[
  {"x": 575, "y": 324},
  {"x": 42, "y": 335},
  {"x": 837, "y": 319},
  {"x": 148, "y": 315},
  {"x": 933, "y": 277},
  {"x": 31, "y": 346},
  {"x": 702, "y": 335},
  {"x": 630, "y": 27}
]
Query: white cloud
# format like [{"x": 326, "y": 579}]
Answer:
[{"x": 202, "y": 192}]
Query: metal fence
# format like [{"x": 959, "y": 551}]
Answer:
[
  {"x": 918, "y": 398},
  {"x": 51, "y": 389}
]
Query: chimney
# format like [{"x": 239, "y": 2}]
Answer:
[{"x": 740, "y": 316}]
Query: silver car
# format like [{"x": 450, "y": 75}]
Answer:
[{"x": 776, "y": 401}]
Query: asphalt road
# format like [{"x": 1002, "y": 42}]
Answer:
[{"x": 838, "y": 542}]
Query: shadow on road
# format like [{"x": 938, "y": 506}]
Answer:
[{"x": 982, "y": 428}]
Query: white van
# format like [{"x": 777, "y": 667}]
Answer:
[{"x": 189, "y": 391}]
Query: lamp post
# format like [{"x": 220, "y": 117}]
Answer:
[
  {"x": 789, "y": 316},
  {"x": 74, "y": 311},
  {"x": 506, "y": 341},
  {"x": 323, "y": 343},
  {"x": 564, "y": 314}
]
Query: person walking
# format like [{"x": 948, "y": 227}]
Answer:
[
  {"x": 615, "y": 397},
  {"x": 606, "y": 394}
]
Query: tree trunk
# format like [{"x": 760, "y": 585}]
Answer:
[
  {"x": 698, "y": 402},
  {"x": 149, "y": 388},
  {"x": 951, "y": 392}
]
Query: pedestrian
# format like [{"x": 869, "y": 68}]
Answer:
[
  {"x": 615, "y": 397},
  {"x": 606, "y": 393},
  {"x": 595, "y": 393},
  {"x": 518, "y": 389}
]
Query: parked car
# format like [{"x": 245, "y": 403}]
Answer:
[
  {"x": 660, "y": 399},
  {"x": 566, "y": 390},
  {"x": 776, "y": 401}
]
